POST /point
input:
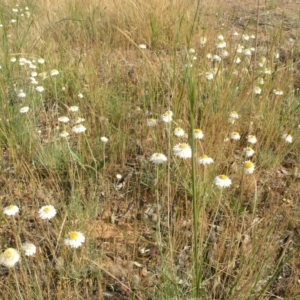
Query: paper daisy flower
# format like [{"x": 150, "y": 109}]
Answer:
[
  {"x": 104, "y": 139},
  {"x": 179, "y": 132},
  {"x": 41, "y": 61},
  {"x": 198, "y": 134},
  {"x": 221, "y": 45},
  {"x": 29, "y": 249},
  {"x": 233, "y": 117},
  {"x": 257, "y": 90},
  {"x": 79, "y": 120},
  {"x": 209, "y": 75},
  {"x": 11, "y": 210},
  {"x": 249, "y": 167},
  {"x": 248, "y": 152},
  {"x": 54, "y": 72},
  {"x": 74, "y": 239},
  {"x": 205, "y": 160},
  {"x": 63, "y": 119},
  {"x": 167, "y": 116},
  {"x": 24, "y": 110},
  {"x": 183, "y": 150},
  {"x": 287, "y": 137},
  {"x": 73, "y": 108},
  {"x": 39, "y": 89},
  {"x": 222, "y": 181},
  {"x": 64, "y": 134},
  {"x": 158, "y": 158},
  {"x": 278, "y": 93},
  {"x": 203, "y": 40},
  {"x": 21, "y": 94},
  {"x": 235, "y": 136},
  {"x": 247, "y": 52},
  {"x": 252, "y": 139},
  {"x": 9, "y": 257},
  {"x": 79, "y": 128},
  {"x": 151, "y": 122},
  {"x": 47, "y": 212}
]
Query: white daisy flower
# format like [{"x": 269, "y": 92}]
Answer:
[
  {"x": 249, "y": 167},
  {"x": 79, "y": 120},
  {"x": 205, "y": 160},
  {"x": 74, "y": 239},
  {"x": 158, "y": 158},
  {"x": 79, "y": 128},
  {"x": 278, "y": 92},
  {"x": 11, "y": 210},
  {"x": 24, "y": 110},
  {"x": 104, "y": 139},
  {"x": 235, "y": 136},
  {"x": 73, "y": 108},
  {"x": 287, "y": 137},
  {"x": 54, "y": 72},
  {"x": 9, "y": 257},
  {"x": 179, "y": 132},
  {"x": 252, "y": 139},
  {"x": 257, "y": 90},
  {"x": 63, "y": 119},
  {"x": 41, "y": 61},
  {"x": 237, "y": 60},
  {"x": 248, "y": 152},
  {"x": 39, "y": 89},
  {"x": 64, "y": 134},
  {"x": 142, "y": 46},
  {"x": 216, "y": 58},
  {"x": 33, "y": 74},
  {"x": 222, "y": 181},
  {"x": 21, "y": 94},
  {"x": 247, "y": 52},
  {"x": 198, "y": 134},
  {"x": 47, "y": 212},
  {"x": 119, "y": 176},
  {"x": 234, "y": 115},
  {"x": 209, "y": 75},
  {"x": 245, "y": 37},
  {"x": 221, "y": 45},
  {"x": 80, "y": 95},
  {"x": 29, "y": 249},
  {"x": 151, "y": 122},
  {"x": 167, "y": 116},
  {"x": 239, "y": 48},
  {"x": 183, "y": 150},
  {"x": 267, "y": 71},
  {"x": 220, "y": 37},
  {"x": 13, "y": 59},
  {"x": 191, "y": 51},
  {"x": 203, "y": 40}
]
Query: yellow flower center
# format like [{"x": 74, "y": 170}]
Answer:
[
  {"x": 8, "y": 253},
  {"x": 204, "y": 156},
  {"x": 223, "y": 177},
  {"x": 47, "y": 210},
  {"x": 183, "y": 146},
  {"x": 73, "y": 235},
  {"x": 11, "y": 207},
  {"x": 158, "y": 155},
  {"x": 248, "y": 164},
  {"x": 249, "y": 149},
  {"x": 198, "y": 130}
]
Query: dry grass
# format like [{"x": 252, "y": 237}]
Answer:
[{"x": 139, "y": 230}]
